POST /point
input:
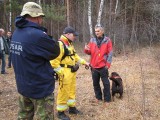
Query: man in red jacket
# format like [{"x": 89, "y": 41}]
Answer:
[{"x": 100, "y": 50}]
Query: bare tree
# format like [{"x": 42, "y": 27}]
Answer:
[
  {"x": 100, "y": 12},
  {"x": 68, "y": 15},
  {"x": 10, "y": 16},
  {"x": 133, "y": 29},
  {"x": 90, "y": 18},
  {"x": 115, "y": 12}
]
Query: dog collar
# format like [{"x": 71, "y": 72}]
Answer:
[{"x": 115, "y": 77}]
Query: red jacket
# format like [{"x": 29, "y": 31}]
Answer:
[{"x": 100, "y": 56}]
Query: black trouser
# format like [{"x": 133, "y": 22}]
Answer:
[{"x": 103, "y": 74}]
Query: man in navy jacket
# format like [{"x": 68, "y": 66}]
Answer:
[{"x": 31, "y": 50}]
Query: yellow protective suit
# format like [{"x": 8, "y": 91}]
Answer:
[{"x": 67, "y": 81}]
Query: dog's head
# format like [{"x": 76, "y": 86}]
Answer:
[
  {"x": 114, "y": 75},
  {"x": 116, "y": 78}
]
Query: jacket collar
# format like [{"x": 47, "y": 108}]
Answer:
[
  {"x": 65, "y": 40},
  {"x": 21, "y": 22}
]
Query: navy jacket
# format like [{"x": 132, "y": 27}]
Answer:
[{"x": 31, "y": 50}]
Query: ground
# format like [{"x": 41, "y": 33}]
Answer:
[{"x": 140, "y": 71}]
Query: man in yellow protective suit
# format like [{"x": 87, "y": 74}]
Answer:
[{"x": 66, "y": 65}]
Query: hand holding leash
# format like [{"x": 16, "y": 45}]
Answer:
[{"x": 87, "y": 65}]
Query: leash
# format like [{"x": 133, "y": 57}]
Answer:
[
  {"x": 115, "y": 77},
  {"x": 87, "y": 67}
]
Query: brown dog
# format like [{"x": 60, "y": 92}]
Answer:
[{"x": 117, "y": 85}]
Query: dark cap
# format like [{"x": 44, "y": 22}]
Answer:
[{"x": 70, "y": 30}]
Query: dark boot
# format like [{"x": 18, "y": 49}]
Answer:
[
  {"x": 73, "y": 110},
  {"x": 62, "y": 116}
]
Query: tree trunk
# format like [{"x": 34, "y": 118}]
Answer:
[
  {"x": 133, "y": 30},
  {"x": 10, "y": 16},
  {"x": 39, "y": 2},
  {"x": 100, "y": 12},
  {"x": 110, "y": 17},
  {"x": 5, "y": 17},
  {"x": 84, "y": 23},
  {"x": 68, "y": 15},
  {"x": 115, "y": 12},
  {"x": 89, "y": 18}
]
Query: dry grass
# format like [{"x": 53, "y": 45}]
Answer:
[{"x": 141, "y": 101}]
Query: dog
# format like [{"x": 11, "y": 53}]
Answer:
[{"x": 117, "y": 85}]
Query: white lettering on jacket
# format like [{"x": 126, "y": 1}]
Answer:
[{"x": 16, "y": 47}]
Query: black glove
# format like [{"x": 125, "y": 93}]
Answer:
[{"x": 75, "y": 68}]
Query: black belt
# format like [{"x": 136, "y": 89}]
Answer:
[{"x": 66, "y": 66}]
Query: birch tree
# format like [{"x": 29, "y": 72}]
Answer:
[
  {"x": 100, "y": 12},
  {"x": 10, "y": 16},
  {"x": 115, "y": 12},
  {"x": 90, "y": 18},
  {"x": 39, "y": 1},
  {"x": 68, "y": 15},
  {"x": 90, "y": 13}
]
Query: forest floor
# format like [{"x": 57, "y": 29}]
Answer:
[{"x": 140, "y": 71}]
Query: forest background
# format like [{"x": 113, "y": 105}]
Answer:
[{"x": 127, "y": 22}]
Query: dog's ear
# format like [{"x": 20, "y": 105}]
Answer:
[
  {"x": 112, "y": 74},
  {"x": 115, "y": 74}
]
